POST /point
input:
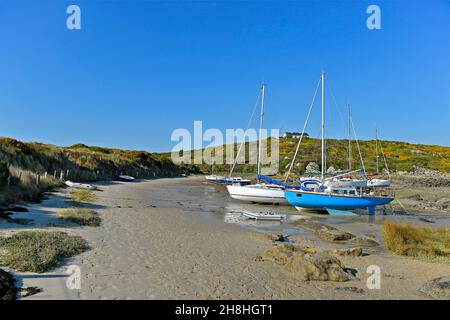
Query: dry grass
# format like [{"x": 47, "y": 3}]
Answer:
[
  {"x": 420, "y": 242},
  {"x": 39, "y": 251},
  {"x": 82, "y": 195},
  {"x": 85, "y": 217}
]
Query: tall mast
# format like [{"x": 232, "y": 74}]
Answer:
[
  {"x": 323, "y": 126},
  {"x": 349, "y": 139},
  {"x": 376, "y": 148},
  {"x": 263, "y": 88}
]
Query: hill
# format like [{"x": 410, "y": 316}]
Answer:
[{"x": 400, "y": 156}]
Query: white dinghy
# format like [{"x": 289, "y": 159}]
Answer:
[
  {"x": 262, "y": 215},
  {"x": 127, "y": 178},
  {"x": 78, "y": 185}
]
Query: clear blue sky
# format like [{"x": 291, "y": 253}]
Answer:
[{"x": 139, "y": 69}]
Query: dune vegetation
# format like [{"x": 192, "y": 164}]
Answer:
[
  {"x": 29, "y": 169},
  {"x": 417, "y": 241},
  {"x": 81, "y": 216},
  {"x": 79, "y": 196},
  {"x": 39, "y": 251}
]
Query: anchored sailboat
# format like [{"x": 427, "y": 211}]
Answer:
[
  {"x": 260, "y": 192},
  {"x": 376, "y": 182},
  {"x": 324, "y": 197}
]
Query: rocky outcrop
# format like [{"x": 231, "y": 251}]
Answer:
[
  {"x": 363, "y": 242},
  {"x": 307, "y": 265},
  {"x": 353, "y": 252},
  {"x": 438, "y": 288}
]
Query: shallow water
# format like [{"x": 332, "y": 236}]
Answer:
[{"x": 214, "y": 204}]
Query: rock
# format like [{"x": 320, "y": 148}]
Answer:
[
  {"x": 8, "y": 289},
  {"x": 307, "y": 266},
  {"x": 319, "y": 267},
  {"x": 350, "y": 289},
  {"x": 279, "y": 255},
  {"x": 278, "y": 237},
  {"x": 333, "y": 235},
  {"x": 364, "y": 242},
  {"x": 29, "y": 291},
  {"x": 354, "y": 252},
  {"x": 312, "y": 167},
  {"x": 331, "y": 170},
  {"x": 438, "y": 288}
]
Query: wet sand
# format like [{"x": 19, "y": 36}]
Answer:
[{"x": 185, "y": 239}]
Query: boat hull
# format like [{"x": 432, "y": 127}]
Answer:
[
  {"x": 321, "y": 201},
  {"x": 381, "y": 183},
  {"x": 238, "y": 182},
  {"x": 256, "y": 194}
]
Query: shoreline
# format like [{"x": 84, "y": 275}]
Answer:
[{"x": 175, "y": 238}]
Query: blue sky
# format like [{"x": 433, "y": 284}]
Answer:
[{"x": 137, "y": 70}]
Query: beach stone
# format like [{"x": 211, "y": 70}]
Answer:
[
  {"x": 438, "y": 288},
  {"x": 350, "y": 289},
  {"x": 333, "y": 235},
  {"x": 277, "y": 237},
  {"x": 317, "y": 267},
  {"x": 7, "y": 286},
  {"x": 363, "y": 242},
  {"x": 354, "y": 252}
]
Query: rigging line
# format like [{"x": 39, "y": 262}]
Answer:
[
  {"x": 353, "y": 127},
  {"x": 303, "y": 131},
  {"x": 357, "y": 144},
  {"x": 384, "y": 158},
  {"x": 243, "y": 138}
]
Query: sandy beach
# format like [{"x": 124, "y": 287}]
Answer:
[{"x": 182, "y": 238}]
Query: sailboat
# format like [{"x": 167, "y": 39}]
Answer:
[
  {"x": 212, "y": 177},
  {"x": 376, "y": 182},
  {"x": 260, "y": 192},
  {"x": 334, "y": 199}
]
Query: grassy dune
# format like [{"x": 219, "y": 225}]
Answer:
[{"x": 21, "y": 162}]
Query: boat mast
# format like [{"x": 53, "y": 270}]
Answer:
[
  {"x": 263, "y": 89},
  {"x": 376, "y": 148},
  {"x": 323, "y": 125},
  {"x": 349, "y": 139}
]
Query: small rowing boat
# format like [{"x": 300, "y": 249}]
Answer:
[
  {"x": 78, "y": 185},
  {"x": 262, "y": 215},
  {"x": 126, "y": 178}
]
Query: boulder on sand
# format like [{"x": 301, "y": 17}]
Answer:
[
  {"x": 308, "y": 266},
  {"x": 333, "y": 235},
  {"x": 438, "y": 288},
  {"x": 321, "y": 266}
]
